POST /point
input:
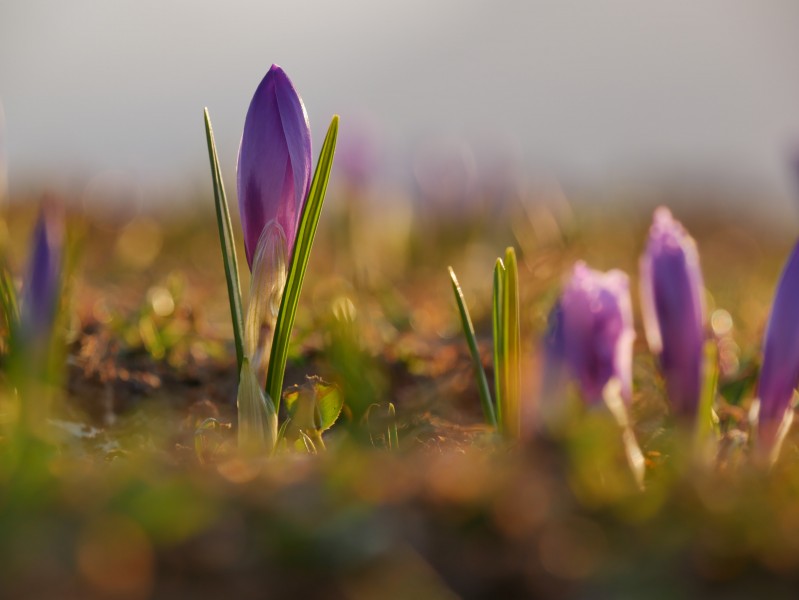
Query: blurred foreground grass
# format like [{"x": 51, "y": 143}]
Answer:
[{"x": 129, "y": 500}]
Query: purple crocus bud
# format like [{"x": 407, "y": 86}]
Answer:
[
  {"x": 591, "y": 331},
  {"x": 274, "y": 168},
  {"x": 779, "y": 373},
  {"x": 43, "y": 281},
  {"x": 673, "y": 309}
]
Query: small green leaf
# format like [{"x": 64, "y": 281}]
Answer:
[
  {"x": 314, "y": 406},
  {"x": 299, "y": 263},
  {"x": 479, "y": 372},
  {"x": 228, "y": 244},
  {"x": 329, "y": 403}
]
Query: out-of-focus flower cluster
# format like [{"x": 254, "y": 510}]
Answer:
[{"x": 591, "y": 332}]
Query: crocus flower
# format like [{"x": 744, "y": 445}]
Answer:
[
  {"x": 274, "y": 174},
  {"x": 673, "y": 309},
  {"x": 590, "y": 340},
  {"x": 43, "y": 281},
  {"x": 274, "y": 168},
  {"x": 591, "y": 332},
  {"x": 779, "y": 373}
]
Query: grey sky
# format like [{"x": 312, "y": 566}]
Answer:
[{"x": 590, "y": 88}]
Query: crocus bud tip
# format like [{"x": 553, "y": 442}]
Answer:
[{"x": 274, "y": 167}]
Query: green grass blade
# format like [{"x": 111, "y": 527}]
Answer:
[
  {"x": 479, "y": 372},
  {"x": 228, "y": 245},
  {"x": 499, "y": 357},
  {"x": 299, "y": 263},
  {"x": 705, "y": 421},
  {"x": 8, "y": 300},
  {"x": 511, "y": 348},
  {"x": 393, "y": 435}
]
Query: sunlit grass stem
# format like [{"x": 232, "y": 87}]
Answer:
[
  {"x": 393, "y": 435},
  {"x": 479, "y": 373},
  {"x": 511, "y": 348},
  {"x": 507, "y": 374},
  {"x": 497, "y": 328}
]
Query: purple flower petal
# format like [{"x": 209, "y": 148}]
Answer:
[
  {"x": 274, "y": 166},
  {"x": 591, "y": 331},
  {"x": 43, "y": 281},
  {"x": 779, "y": 374},
  {"x": 673, "y": 308}
]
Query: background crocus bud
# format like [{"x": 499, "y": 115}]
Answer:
[
  {"x": 779, "y": 373},
  {"x": 673, "y": 309},
  {"x": 43, "y": 281},
  {"x": 591, "y": 331},
  {"x": 274, "y": 168}
]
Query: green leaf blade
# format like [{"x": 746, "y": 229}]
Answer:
[
  {"x": 479, "y": 371},
  {"x": 329, "y": 404},
  {"x": 299, "y": 264},
  {"x": 227, "y": 242},
  {"x": 499, "y": 356},
  {"x": 511, "y": 347}
]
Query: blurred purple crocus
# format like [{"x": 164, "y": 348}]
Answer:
[
  {"x": 591, "y": 332},
  {"x": 274, "y": 167},
  {"x": 673, "y": 309},
  {"x": 779, "y": 373},
  {"x": 43, "y": 281}
]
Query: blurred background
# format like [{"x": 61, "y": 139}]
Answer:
[
  {"x": 645, "y": 102},
  {"x": 467, "y": 126}
]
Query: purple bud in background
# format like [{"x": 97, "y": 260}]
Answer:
[
  {"x": 673, "y": 309},
  {"x": 779, "y": 373},
  {"x": 274, "y": 168},
  {"x": 357, "y": 155},
  {"x": 43, "y": 281},
  {"x": 591, "y": 331},
  {"x": 555, "y": 369}
]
